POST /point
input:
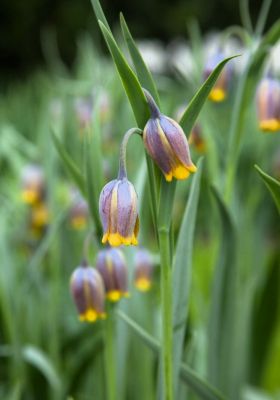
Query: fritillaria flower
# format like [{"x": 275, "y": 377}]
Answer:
[
  {"x": 220, "y": 89},
  {"x": 112, "y": 267},
  {"x": 88, "y": 293},
  {"x": 196, "y": 139},
  {"x": 143, "y": 272},
  {"x": 268, "y": 104},
  {"x": 118, "y": 205},
  {"x": 79, "y": 212},
  {"x": 33, "y": 184},
  {"x": 166, "y": 143}
]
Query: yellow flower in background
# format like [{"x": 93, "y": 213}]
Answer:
[{"x": 268, "y": 104}]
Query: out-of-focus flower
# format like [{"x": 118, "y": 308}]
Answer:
[
  {"x": 196, "y": 139},
  {"x": 112, "y": 267},
  {"x": 154, "y": 55},
  {"x": 167, "y": 144},
  {"x": 33, "y": 184},
  {"x": 84, "y": 107},
  {"x": 39, "y": 216},
  {"x": 79, "y": 212},
  {"x": 219, "y": 91},
  {"x": 118, "y": 212},
  {"x": 88, "y": 293},
  {"x": 143, "y": 272},
  {"x": 268, "y": 104}
]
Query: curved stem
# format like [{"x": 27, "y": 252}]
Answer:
[
  {"x": 122, "y": 166},
  {"x": 155, "y": 113},
  {"x": 262, "y": 17}
]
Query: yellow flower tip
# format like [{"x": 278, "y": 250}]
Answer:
[
  {"x": 143, "y": 284},
  {"x": 29, "y": 196},
  {"x": 114, "y": 295},
  {"x": 89, "y": 315},
  {"x": 270, "y": 125},
  {"x": 168, "y": 176},
  {"x": 105, "y": 238},
  {"x": 78, "y": 223},
  {"x": 217, "y": 95},
  {"x": 192, "y": 168},
  {"x": 115, "y": 239}
]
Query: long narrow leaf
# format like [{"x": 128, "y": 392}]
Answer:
[
  {"x": 222, "y": 316},
  {"x": 143, "y": 72},
  {"x": 272, "y": 184},
  {"x": 182, "y": 268}
]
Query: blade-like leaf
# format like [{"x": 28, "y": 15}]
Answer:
[
  {"x": 195, "y": 383},
  {"x": 69, "y": 164},
  {"x": 222, "y": 315},
  {"x": 143, "y": 73},
  {"x": 129, "y": 80},
  {"x": 40, "y": 361},
  {"x": 273, "y": 186},
  {"x": 99, "y": 13},
  {"x": 182, "y": 267}
]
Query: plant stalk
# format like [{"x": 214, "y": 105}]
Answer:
[
  {"x": 166, "y": 312},
  {"x": 109, "y": 354}
]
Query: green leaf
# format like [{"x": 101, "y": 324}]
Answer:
[
  {"x": 194, "y": 382},
  {"x": 182, "y": 268},
  {"x": 99, "y": 13},
  {"x": 41, "y": 361},
  {"x": 143, "y": 73},
  {"x": 191, "y": 113},
  {"x": 129, "y": 79},
  {"x": 272, "y": 184},
  {"x": 69, "y": 164},
  {"x": 222, "y": 314}
]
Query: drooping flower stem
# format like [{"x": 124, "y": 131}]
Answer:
[
  {"x": 155, "y": 112},
  {"x": 166, "y": 314},
  {"x": 122, "y": 165},
  {"x": 109, "y": 354}
]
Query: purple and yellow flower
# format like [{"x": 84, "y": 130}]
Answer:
[
  {"x": 219, "y": 91},
  {"x": 118, "y": 212},
  {"x": 88, "y": 293},
  {"x": 268, "y": 104},
  {"x": 79, "y": 212},
  {"x": 33, "y": 184},
  {"x": 143, "y": 272},
  {"x": 112, "y": 267},
  {"x": 166, "y": 143},
  {"x": 197, "y": 140}
]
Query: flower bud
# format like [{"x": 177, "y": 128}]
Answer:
[
  {"x": 268, "y": 104},
  {"x": 33, "y": 184},
  {"x": 88, "y": 293},
  {"x": 143, "y": 271},
  {"x": 196, "y": 139},
  {"x": 112, "y": 267},
  {"x": 118, "y": 212},
  {"x": 78, "y": 213},
  {"x": 219, "y": 91},
  {"x": 167, "y": 144}
]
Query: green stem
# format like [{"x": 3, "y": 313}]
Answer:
[
  {"x": 109, "y": 354},
  {"x": 122, "y": 164},
  {"x": 166, "y": 312}
]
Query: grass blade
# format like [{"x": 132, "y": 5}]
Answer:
[{"x": 272, "y": 184}]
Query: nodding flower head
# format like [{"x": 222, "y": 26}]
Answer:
[
  {"x": 143, "y": 272},
  {"x": 112, "y": 267},
  {"x": 118, "y": 212},
  {"x": 197, "y": 140},
  {"x": 166, "y": 143},
  {"x": 219, "y": 91},
  {"x": 33, "y": 184},
  {"x": 88, "y": 293},
  {"x": 268, "y": 104}
]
